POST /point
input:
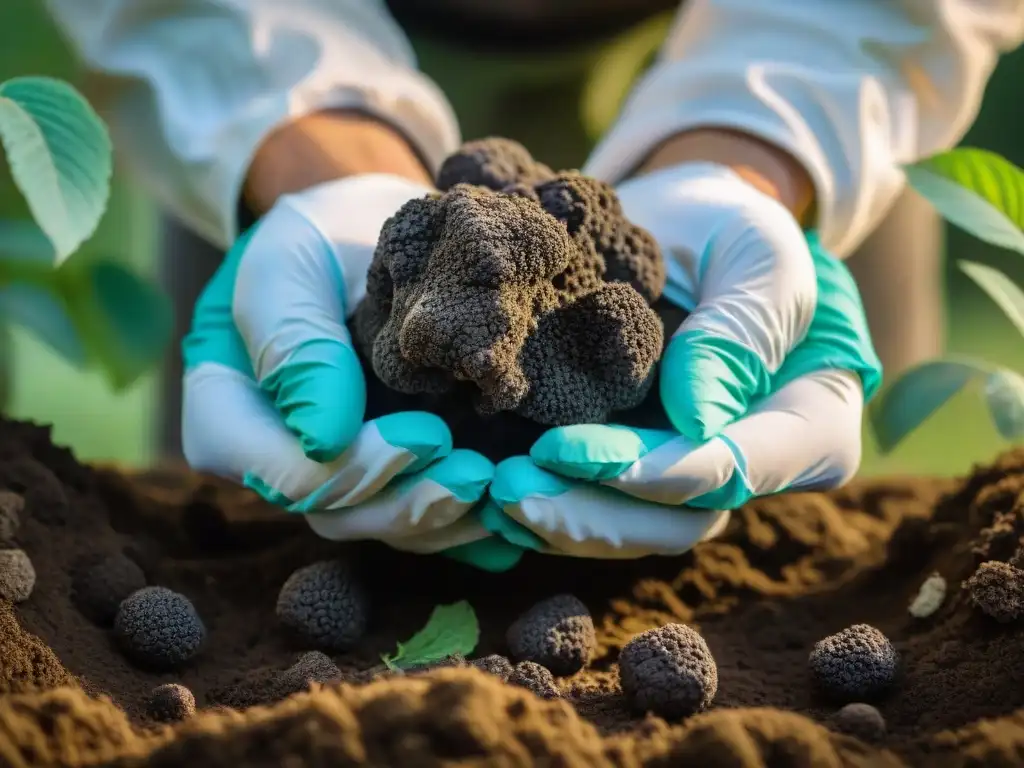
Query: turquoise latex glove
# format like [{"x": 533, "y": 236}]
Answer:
[
  {"x": 759, "y": 405},
  {"x": 274, "y": 395}
]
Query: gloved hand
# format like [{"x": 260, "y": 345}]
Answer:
[
  {"x": 274, "y": 395},
  {"x": 765, "y": 384}
]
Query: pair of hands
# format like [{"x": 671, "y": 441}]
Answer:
[{"x": 764, "y": 384}]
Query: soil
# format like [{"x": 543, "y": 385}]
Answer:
[{"x": 788, "y": 571}]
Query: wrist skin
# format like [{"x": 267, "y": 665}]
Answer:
[
  {"x": 323, "y": 147},
  {"x": 768, "y": 168}
]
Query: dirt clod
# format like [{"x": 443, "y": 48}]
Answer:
[
  {"x": 17, "y": 576},
  {"x": 857, "y": 663},
  {"x": 862, "y": 721},
  {"x": 998, "y": 590},
  {"x": 535, "y": 678},
  {"x": 669, "y": 671},
  {"x": 323, "y": 605},
  {"x": 101, "y": 582},
  {"x": 557, "y": 633},
  {"x": 170, "y": 703},
  {"x": 158, "y": 627}
]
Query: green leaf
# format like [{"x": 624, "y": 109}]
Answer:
[
  {"x": 977, "y": 190},
  {"x": 908, "y": 402},
  {"x": 1000, "y": 289},
  {"x": 451, "y": 629},
  {"x": 60, "y": 157},
  {"x": 1004, "y": 393}
]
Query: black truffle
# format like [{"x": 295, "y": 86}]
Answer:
[
  {"x": 535, "y": 678},
  {"x": 11, "y": 506},
  {"x": 455, "y": 660},
  {"x": 557, "y": 633},
  {"x": 100, "y": 583},
  {"x": 668, "y": 671},
  {"x": 496, "y": 665},
  {"x": 170, "y": 703},
  {"x": 862, "y": 721},
  {"x": 17, "y": 576},
  {"x": 495, "y": 163},
  {"x": 323, "y": 605},
  {"x": 997, "y": 589},
  {"x": 538, "y": 296},
  {"x": 857, "y": 663},
  {"x": 158, "y": 628}
]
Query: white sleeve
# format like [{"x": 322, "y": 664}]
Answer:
[
  {"x": 190, "y": 88},
  {"x": 853, "y": 89}
]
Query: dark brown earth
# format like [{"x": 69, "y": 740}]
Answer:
[{"x": 789, "y": 571}]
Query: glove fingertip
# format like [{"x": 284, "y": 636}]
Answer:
[
  {"x": 707, "y": 382},
  {"x": 422, "y": 434},
  {"x": 321, "y": 393}
]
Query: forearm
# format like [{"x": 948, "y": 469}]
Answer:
[
  {"x": 209, "y": 102},
  {"x": 765, "y": 166},
  {"x": 852, "y": 90},
  {"x": 325, "y": 146}
]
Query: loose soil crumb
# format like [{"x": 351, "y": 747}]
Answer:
[{"x": 789, "y": 571}]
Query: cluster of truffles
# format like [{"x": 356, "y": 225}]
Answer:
[
  {"x": 859, "y": 663},
  {"x": 17, "y": 575},
  {"x": 527, "y": 284}
]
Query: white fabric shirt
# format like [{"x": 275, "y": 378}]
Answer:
[{"x": 852, "y": 88}]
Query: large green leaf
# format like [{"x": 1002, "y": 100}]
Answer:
[
  {"x": 910, "y": 400},
  {"x": 60, "y": 157},
  {"x": 93, "y": 313},
  {"x": 1001, "y": 289},
  {"x": 977, "y": 190},
  {"x": 1004, "y": 393}
]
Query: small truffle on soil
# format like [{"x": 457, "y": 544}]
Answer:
[
  {"x": 997, "y": 589},
  {"x": 862, "y": 721},
  {"x": 496, "y": 665},
  {"x": 557, "y": 633},
  {"x": 668, "y": 671},
  {"x": 11, "y": 506},
  {"x": 324, "y": 605},
  {"x": 100, "y": 583},
  {"x": 535, "y": 678},
  {"x": 158, "y": 628},
  {"x": 17, "y": 576},
  {"x": 170, "y": 703},
  {"x": 857, "y": 663}
]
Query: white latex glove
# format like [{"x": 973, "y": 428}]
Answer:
[
  {"x": 274, "y": 395},
  {"x": 764, "y": 382}
]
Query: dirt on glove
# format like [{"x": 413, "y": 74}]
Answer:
[{"x": 789, "y": 571}]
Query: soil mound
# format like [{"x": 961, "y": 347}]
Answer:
[{"x": 789, "y": 572}]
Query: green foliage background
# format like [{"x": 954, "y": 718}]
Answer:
[{"x": 100, "y": 425}]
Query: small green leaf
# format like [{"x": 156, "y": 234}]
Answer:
[
  {"x": 451, "y": 629},
  {"x": 1000, "y": 289},
  {"x": 1004, "y": 393},
  {"x": 908, "y": 402},
  {"x": 60, "y": 157},
  {"x": 43, "y": 313},
  {"x": 977, "y": 190}
]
